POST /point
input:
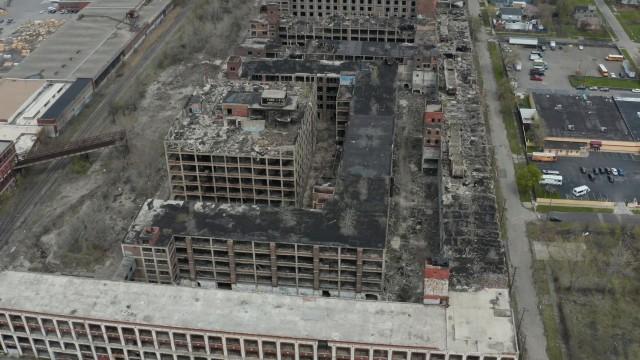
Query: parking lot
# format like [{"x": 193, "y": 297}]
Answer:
[
  {"x": 624, "y": 188},
  {"x": 22, "y": 11},
  {"x": 562, "y": 63}
]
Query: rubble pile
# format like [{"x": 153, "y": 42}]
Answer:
[
  {"x": 469, "y": 230},
  {"x": 25, "y": 39}
]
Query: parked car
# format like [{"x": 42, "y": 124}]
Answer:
[
  {"x": 635, "y": 90},
  {"x": 610, "y": 178},
  {"x": 10, "y": 21},
  {"x": 591, "y": 177},
  {"x": 613, "y": 75},
  {"x": 601, "y": 170},
  {"x": 614, "y": 171},
  {"x": 536, "y": 72},
  {"x": 581, "y": 87},
  {"x": 595, "y": 171},
  {"x": 536, "y": 78},
  {"x": 608, "y": 171},
  {"x": 604, "y": 89},
  {"x": 555, "y": 219},
  {"x": 583, "y": 170},
  {"x": 594, "y": 88},
  {"x": 580, "y": 47},
  {"x": 620, "y": 172}
]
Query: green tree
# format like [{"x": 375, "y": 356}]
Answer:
[{"x": 528, "y": 177}]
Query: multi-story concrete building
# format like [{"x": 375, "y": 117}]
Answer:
[
  {"x": 247, "y": 247},
  {"x": 388, "y": 8},
  {"x": 254, "y": 148},
  {"x": 60, "y": 317},
  {"x": 338, "y": 251},
  {"x": 297, "y": 31}
]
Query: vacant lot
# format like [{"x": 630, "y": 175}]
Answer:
[
  {"x": 629, "y": 18},
  {"x": 588, "y": 280}
]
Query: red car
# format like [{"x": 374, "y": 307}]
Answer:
[{"x": 536, "y": 78}]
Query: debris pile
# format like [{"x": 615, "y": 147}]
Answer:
[
  {"x": 470, "y": 235},
  {"x": 25, "y": 39}
]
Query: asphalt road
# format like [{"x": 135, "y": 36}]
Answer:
[
  {"x": 518, "y": 249},
  {"x": 94, "y": 124},
  {"x": 624, "y": 40}
]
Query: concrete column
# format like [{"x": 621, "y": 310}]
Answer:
[
  {"x": 316, "y": 267},
  {"x": 192, "y": 265},
  {"x": 232, "y": 265},
  {"x": 224, "y": 347},
  {"x": 359, "y": 270},
  {"x": 274, "y": 264},
  {"x": 29, "y": 336}
]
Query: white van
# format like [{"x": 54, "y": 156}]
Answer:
[{"x": 580, "y": 190}]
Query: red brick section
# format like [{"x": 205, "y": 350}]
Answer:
[
  {"x": 426, "y": 8},
  {"x": 436, "y": 273}
]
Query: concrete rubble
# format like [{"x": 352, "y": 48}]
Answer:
[{"x": 469, "y": 230}]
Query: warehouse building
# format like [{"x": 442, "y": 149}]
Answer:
[
  {"x": 61, "y": 317},
  {"x": 574, "y": 125},
  {"x": 94, "y": 43}
]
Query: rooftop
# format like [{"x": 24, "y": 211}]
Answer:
[
  {"x": 630, "y": 111},
  {"x": 581, "y": 116},
  {"x": 88, "y": 42},
  {"x": 368, "y": 141},
  {"x": 259, "y": 223},
  {"x": 475, "y": 321},
  {"x": 290, "y": 66},
  {"x": 67, "y": 97},
  {"x": 211, "y": 133},
  {"x": 511, "y": 11},
  {"x": 23, "y": 136},
  {"x": 14, "y": 93},
  {"x": 367, "y": 48}
]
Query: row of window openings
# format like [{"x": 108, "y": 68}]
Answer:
[
  {"x": 218, "y": 180},
  {"x": 362, "y": 2},
  {"x": 234, "y": 349},
  {"x": 206, "y": 159}
]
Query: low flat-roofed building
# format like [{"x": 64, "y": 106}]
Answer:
[
  {"x": 25, "y": 138},
  {"x": 69, "y": 104},
  {"x": 254, "y": 148},
  {"x": 14, "y": 93},
  {"x": 48, "y": 104},
  {"x": 94, "y": 42},
  {"x": 165, "y": 320},
  {"x": 594, "y": 120}
]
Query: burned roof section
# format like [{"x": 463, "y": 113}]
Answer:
[
  {"x": 470, "y": 235},
  {"x": 258, "y": 223},
  {"x": 291, "y": 66}
]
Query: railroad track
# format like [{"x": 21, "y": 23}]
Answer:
[{"x": 94, "y": 124}]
